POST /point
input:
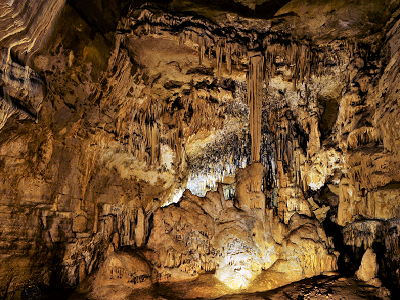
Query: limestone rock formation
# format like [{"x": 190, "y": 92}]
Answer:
[
  {"x": 153, "y": 142},
  {"x": 212, "y": 236},
  {"x": 121, "y": 270},
  {"x": 199, "y": 235},
  {"x": 368, "y": 268},
  {"x": 381, "y": 238}
]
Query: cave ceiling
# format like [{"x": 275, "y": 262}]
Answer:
[{"x": 164, "y": 83}]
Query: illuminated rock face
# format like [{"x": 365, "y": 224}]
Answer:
[
  {"x": 282, "y": 117},
  {"x": 200, "y": 235},
  {"x": 368, "y": 267}
]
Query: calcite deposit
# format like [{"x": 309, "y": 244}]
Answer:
[{"x": 238, "y": 145}]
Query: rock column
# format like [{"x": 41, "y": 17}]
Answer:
[{"x": 255, "y": 82}]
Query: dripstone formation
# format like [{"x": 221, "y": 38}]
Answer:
[{"x": 245, "y": 145}]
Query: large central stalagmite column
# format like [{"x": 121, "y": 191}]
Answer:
[{"x": 255, "y": 81}]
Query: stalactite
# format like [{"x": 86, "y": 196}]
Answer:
[
  {"x": 178, "y": 140},
  {"x": 221, "y": 166},
  {"x": 88, "y": 161},
  {"x": 228, "y": 58},
  {"x": 219, "y": 59},
  {"x": 202, "y": 50},
  {"x": 154, "y": 142},
  {"x": 96, "y": 217},
  {"x": 280, "y": 59},
  {"x": 255, "y": 83}
]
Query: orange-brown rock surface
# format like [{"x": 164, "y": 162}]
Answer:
[
  {"x": 210, "y": 235},
  {"x": 155, "y": 142}
]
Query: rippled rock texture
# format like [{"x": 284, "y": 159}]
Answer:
[{"x": 195, "y": 137}]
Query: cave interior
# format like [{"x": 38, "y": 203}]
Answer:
[{"x": 199, "y": 149}]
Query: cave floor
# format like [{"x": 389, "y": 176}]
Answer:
[{"x": 320, "y": 287}]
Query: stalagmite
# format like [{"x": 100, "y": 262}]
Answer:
[
  {"x": 82, "y": 270},
  {"x": 368, "y": 268},
  {"x": 255, "y": 82}
]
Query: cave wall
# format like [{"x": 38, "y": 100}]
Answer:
[{"x": 109, "y": 114}]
